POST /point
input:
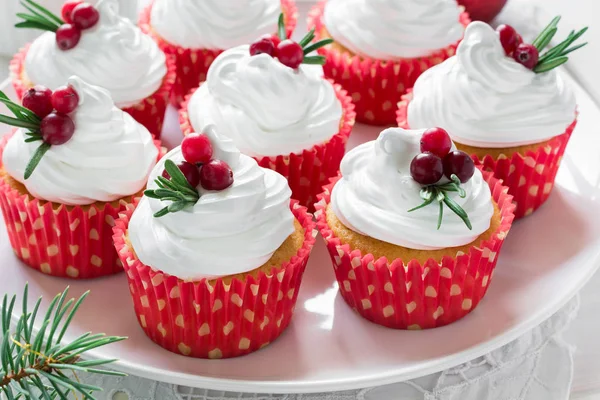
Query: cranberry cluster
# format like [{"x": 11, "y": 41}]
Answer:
[
  {"x": 288, "y": 52},
  {"x": 524, "y": 53},
  {"x": 56, "y": 126},
  {"x": 436, "y": 159},
  {"x": 200, "y": 167},
  {"x": 78, "y": 16}
]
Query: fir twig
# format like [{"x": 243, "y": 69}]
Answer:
[
  {"x": 555, "y": 56},
  {"x": 39, "y": 17},
  {"x": 37, "y": 366},
  {"x": 440, "y": 194},
  {"x": 177, "y": 190}
]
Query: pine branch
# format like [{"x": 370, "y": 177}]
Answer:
[{"x": 40, "y": 367}]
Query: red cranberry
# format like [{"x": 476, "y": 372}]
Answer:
[
  {"x": 262, "y": 46},
  {"x": 67, "y": 37},
  {"x": 216, "y": 175},
  {"x": 39, "y": 100},
  {"x": 57, "y": 128},
  {"x": 274, "y": 38},
  {"x": 190, "y": 171},
  {"x": 426, "y": 168},
  {"x": 196, "y": 148},
  {"x": 65, "y": 99},
  {"x": 527, "y": 55},
  {"x": 436, "y": 141},
  {"x": 509, "y": 38},
  {"x": 290, "y": 53},
  {"x": 85, "y": 16},
  {"x": 460, "y": 164},
  {"x": 67, "y": 9}
]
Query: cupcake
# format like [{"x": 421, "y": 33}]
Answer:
[
  {"x": 76, "y": 162},
  {"x": 214, "y": 251},
  {"x": 414, "y": 230},
  {"x": 196, "y": 32},
  {"x": 382, "y": 46},
  {"x": 505, "y": 104},
  {"x": 104, "y": 49},
  {"x": 274, "y": 109}
]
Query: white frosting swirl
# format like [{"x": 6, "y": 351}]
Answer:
[
  {"x": 376, "y": 191},
  {"x": 268, "y": 109},
  {"x": 227, "y": 232},
  {"x": 394, "y": 29},
  {"x": 484, "y": 98},
  {"x": 109, "y": 156},
  {"x": 214, "y": 24},
  {"x": 114, "y": 54}
]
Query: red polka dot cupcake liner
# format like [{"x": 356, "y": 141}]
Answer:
[
  {"x": 149, "y": 112},
  {"x": 408, "y": 295},
  {"x": 310, "y": 170},
  {"x": 214, "y": 319},
  {"x": 58, "y": 240},
  {"x": 374, "y": 85},
  {"x": 529, "y": 177},
  {"x": 193, "y": 64}
]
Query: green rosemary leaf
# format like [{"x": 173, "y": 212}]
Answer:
[
  {"x": 177, "y": 206},
  {"x": 314, "y": 60},
  {"x": 34, "y": 25},
  {"x": 572, "y": 49},
  {"x": 18, "y": 110},
  {"x": 307, "y": 38},
  {"x": 177, "y": 176},
  {"x": 167, "y": 193},
  {"x": 33, "y": 139},
  {"x": 546, "y": 39},
  {"x": 281, "y": 27},
  {"x": 34, "y": 18},
  {"x": 151, "y": 194},
  {"x": 69, "y": 318},
  {"x": 48, "y": 13},
  {"x": 458, "y": 210},
  {"x": 161, "y": 213},
  {"x": 424, "y": 204},
  {"x": 165, "y": 182},
  {"x": 550, "y": 26},
  {"x": 440, "y": 215},
  {"x": 18, "y": 123},
  {"x": 551, "y": 64},
  {"x": 318, "y": 45},
  {"x": 35, "y": 160}
]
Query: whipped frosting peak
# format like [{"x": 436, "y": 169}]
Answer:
[
  {"x": 394, "y": 29},
  {"x": 484, "y": 98},
  {"x": 267, "y": 108},
  {"x": 214, "y": 24},
  {"x": 376, "y": 191},
  {"x": 226, "y": 232},
  {"x": 113, "y": 54},
  {"x": 109, "y": 156}
]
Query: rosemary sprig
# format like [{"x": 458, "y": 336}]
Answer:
[
  {"x": 177, "y": 190},
  {"x": 440, "y": 194},
  {"x": 39, "y": 17},
  {"x": 305, "y": 44},
  {"x": 555, "y": 56},
  {"x": 39, "y": 366},
  {"x": 25, "y": 118}
]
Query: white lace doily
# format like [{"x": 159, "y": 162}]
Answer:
[{"x": 537, "y": 366}]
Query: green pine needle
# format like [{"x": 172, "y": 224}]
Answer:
[
  {"x": 440, "y": 194},
  {"x": 555, "y": 56},
  {"x": 41, "y": 367}
]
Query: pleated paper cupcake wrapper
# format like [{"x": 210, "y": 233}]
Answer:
[
  {"x": 193, "y": 64},
  {"x": 529, "y": 177},
  {"x": 374, "y": 85},
  {"x": 214, "y": 319},
  {"x": 63, "y": 241},
  {"x": 308, "y": 171},
  {"x": 408, "y": 295},
  {"x": 149, "y": 112}
]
